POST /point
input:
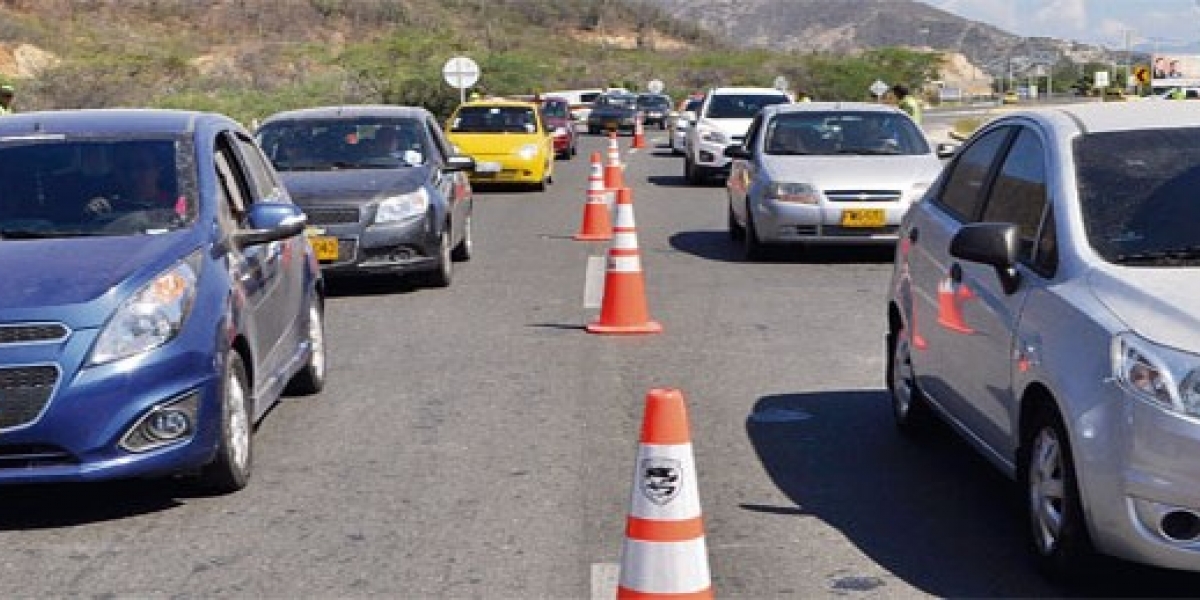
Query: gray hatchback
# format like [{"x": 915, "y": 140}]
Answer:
[{"x": 1043, "y": 303}]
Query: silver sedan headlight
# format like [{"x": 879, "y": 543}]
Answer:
[
  {"x": 402, "y": 207},
  {"x": 715, "y": 136},
  {"x": 1160, "y": 375},
  {"x": 151, "y": 317},
  {"x": 792, "y": 193}
]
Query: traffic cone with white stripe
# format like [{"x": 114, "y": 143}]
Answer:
[
  {"x": 624, "y": 306},
  {"x": 614, "y": 171},
  {"x": 639, "y": 133},
  {"x": 664, "y": 554},
  {"x": 597, "y": 226}
]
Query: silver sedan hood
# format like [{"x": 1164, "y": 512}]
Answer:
[
  {"x": 1158, "y": 304},
  {"x": 854, "y": 171}
]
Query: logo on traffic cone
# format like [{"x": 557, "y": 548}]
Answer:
[
  {"x": 624, "y": 306},
  {"x": 639, "y": 134},
  {"x": 596, "y": 223},
  {"x": 664, "y": 554}
]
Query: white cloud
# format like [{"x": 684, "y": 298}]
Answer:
[{"x": 1066, "y": 16}]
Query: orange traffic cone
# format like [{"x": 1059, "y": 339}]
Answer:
[
  {"x": 664, "y": 554},
  {"x": 624, "y": 306},
  {"x": 596, "y": 223},
  {"x": 950, "y": 300},
  {"x": 639, "y": 134},
  {"x": 613, "y": 169}
]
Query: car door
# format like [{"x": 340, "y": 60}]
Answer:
[
  {"x": 990, "y": 314},
  {"x": 452, "y": 185},
  {"x": 936, "y": 278},
  {"x": 743, "y": 171}
]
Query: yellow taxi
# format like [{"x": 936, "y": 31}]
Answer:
[{"x": 508, "y": 140}]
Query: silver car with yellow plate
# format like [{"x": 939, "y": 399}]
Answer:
[{"x": 826, "y": 173}]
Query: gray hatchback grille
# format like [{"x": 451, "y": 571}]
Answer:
[
  {"x": 24, "y": 392},
  {"x": 31, "y": 333},
  {"x": 863, "y": 195},
  {"x": 331, "y": 216}
]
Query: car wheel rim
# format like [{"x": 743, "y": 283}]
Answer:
[
  {"x": 1046, "y": 489},
  {"x": 316, "y": 339},
  {"x": 239, "y": 423},
  {"x": 902, "y": 376}
]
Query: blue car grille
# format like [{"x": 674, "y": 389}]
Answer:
[
  {"x": 22, "y": 456},
  {"x": 32, "y": 333},
  {"x": 863, "y": 195},
  {"x": 24, "y": 392},
  {"x": 331, "y": 216}
]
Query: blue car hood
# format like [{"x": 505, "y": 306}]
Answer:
[
  {"x": 54, "y": 278},
  {"x": 360, "y": 185}
]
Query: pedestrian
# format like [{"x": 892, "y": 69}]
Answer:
[
  {"x": 6, "y": 99},
  {"x": 907, "y": 102}
]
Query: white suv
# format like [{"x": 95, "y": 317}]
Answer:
[{"x": 722, "y": 121}]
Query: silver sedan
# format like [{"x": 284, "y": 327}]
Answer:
[
  {"x": 1043, "y": 303},
  {"x": 829, "y": 173}
]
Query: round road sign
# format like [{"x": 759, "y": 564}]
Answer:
[
  {"x": 655, "y": 86},
  {"x": 879, "y": 88},
  {"x": 460, "y": 72}
]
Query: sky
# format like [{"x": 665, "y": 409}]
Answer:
[{"x": 1151, "y": 24}]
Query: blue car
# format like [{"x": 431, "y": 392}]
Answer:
[{"x": 158, "y": 296}]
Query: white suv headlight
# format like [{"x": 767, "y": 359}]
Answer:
[
  {"x": 402, "y": 207},
  {"x": 150, "y": 317},
  {"x": 1160, "y": 375},
  {"x": 709, "y": 134}
]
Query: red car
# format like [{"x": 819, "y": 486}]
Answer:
[{"x": 556, "y": 112}]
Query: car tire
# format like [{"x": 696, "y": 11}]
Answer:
[
  {"x": 691, "y": 171},
  {"x": 737, "y": 233},
  {"x": 1058, "y": 535},
  {"x": 752, "y": 248},
  {"x": 466, "y": 246},
  {"x": 310, "y": 379},
  {"x": 443, "y": 273},
  {"x": 910, "y": 409},
  {"x": 230, "y": 470}
]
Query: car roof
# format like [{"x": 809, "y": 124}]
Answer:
[
  {"x": 348, "y": 112},
  {"x": 500, "y": 102},
  {"x": 1099, "y": 117},
  {"x": 107, "y": 121},
  {"x": 829, "y": 107},
  {"x": 745, "y": 90}
]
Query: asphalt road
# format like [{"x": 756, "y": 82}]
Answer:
[{"x": 476, "y": 442}]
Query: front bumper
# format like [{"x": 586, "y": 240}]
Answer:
[
  {"x": 827, "y": 222},
  {"x": 76, "y": 435},
  {"x": 711, "y": 156},
  {"x": 401, "y": 247},
  {"x": 1140, "y": 480}
]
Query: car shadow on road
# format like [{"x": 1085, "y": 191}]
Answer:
[
  {"x": 930, "y": 510},
  {"x": 370, "y": 285},
  {"x": 717, "y": 245},
  {"x": 48, "y": 506}
]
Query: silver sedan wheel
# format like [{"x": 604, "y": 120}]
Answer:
[{"x": 1047, "y": 485}]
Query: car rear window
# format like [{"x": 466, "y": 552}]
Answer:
[
  {"x": 494, "y": 119},
  {"x": 741, "y": 106},
  {"x": 1137, "y": 191}
]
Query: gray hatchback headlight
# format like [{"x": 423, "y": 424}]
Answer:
[{"x": 1164, "y": 376}]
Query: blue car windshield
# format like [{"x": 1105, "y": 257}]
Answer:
[
  {"x": 59, "y": 186},
  {"x": 854, "y": 133},
  {"x": 343, "y": 143},
  {"x": 1137, "y": 191}
]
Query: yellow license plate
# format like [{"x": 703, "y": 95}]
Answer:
[
  {"x": 326, "y": 247},
  {"x": 864, "y": 217}
]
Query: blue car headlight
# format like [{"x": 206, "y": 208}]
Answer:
[
  {"x": 150, "y": 317},
  {"x": 402, "y": 207}
]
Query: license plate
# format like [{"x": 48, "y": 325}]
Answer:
[
  {"x": 488, "y": 167},
  {"x": 326, "y": 247},
  {"x": 864, "y": 217}
]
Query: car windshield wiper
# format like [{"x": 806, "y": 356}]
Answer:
[{"x": 1181, "y": 254}]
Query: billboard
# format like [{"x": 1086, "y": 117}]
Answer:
[{"x": 1175, "y": 70}]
